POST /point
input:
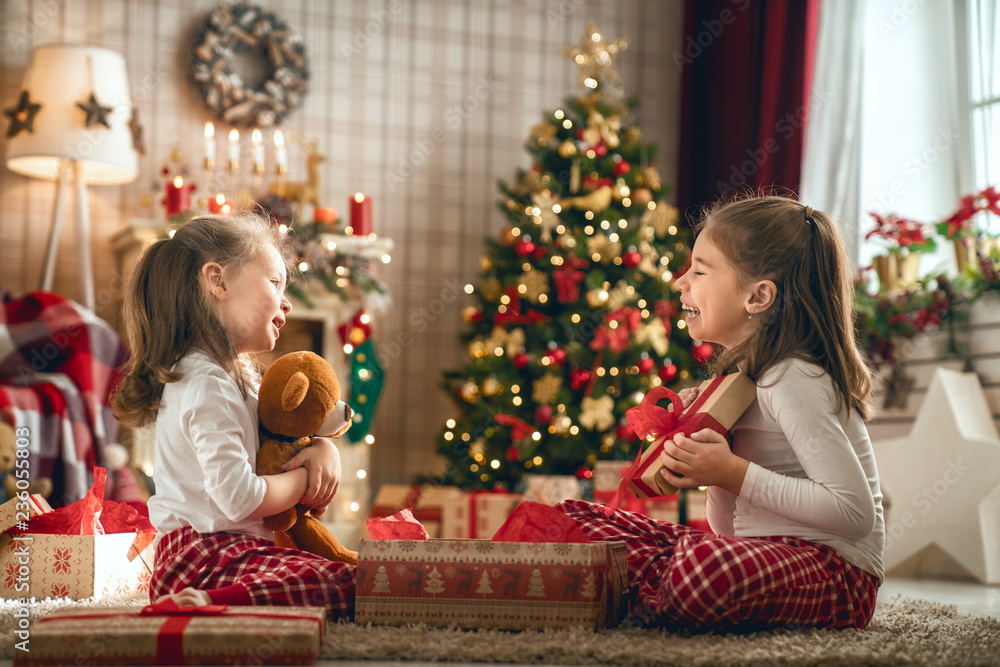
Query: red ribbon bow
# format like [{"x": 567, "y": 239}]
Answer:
[
  {"x": 519, "y": 429},
  {"x": 649, "y": 419}
]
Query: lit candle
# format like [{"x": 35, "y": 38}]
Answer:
[
  {"x": 234, "y": 149},
  {"x": 258, "y": 152},
  {"x": 282, "y": 152},
  {"x": 177, "y": 197},
  {"x": 219, "y": 205},
  {"x": 209, "y": 145},
  {"x": 361, "y": 215}
]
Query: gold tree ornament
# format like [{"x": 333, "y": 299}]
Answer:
[
  {"x": 567, "y": 149},
  {"x": 545, "y": 389},
  {"x": 546, "y": 218},
  {"x": 595, "y": 56},
  {"x": 535, "y": 284},
  {"x": 595, "y": 202},
  {"x": 600, "y": 128},
  {"x": 544, "y": 133},
  {"x": 470, "y": 391},
  {"x": 491, "y": 289},
  {"x": 660, "y": 219},
  {"x": 633, "y": 135},
  {"x": 597, "y": 413}
]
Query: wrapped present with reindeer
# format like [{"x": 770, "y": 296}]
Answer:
[
  {"x": 720, "y": 402},
  {"x": 540, "y": 570}
]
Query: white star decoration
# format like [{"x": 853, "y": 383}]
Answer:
[{"x": 943, "y": 480}]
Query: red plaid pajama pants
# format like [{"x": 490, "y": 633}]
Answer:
[
  {"x": 684, "y": 578},
  {"x": 271, "y": 575}
]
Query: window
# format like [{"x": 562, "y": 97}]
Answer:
[{"x": 983, "y": 22}]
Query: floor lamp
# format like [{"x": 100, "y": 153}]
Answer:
[{"x": 74, "y": 123}]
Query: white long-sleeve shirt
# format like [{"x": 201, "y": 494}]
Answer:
[
  {"x": 812, "y": 470},
  {"x": 206, "y": 451}
]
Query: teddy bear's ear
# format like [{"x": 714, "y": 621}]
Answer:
[{"x": 295, "y": 391}]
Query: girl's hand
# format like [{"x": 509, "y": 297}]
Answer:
[
  {"x": 687, "y": 396},
  {"x": 704, "y": 459},
  {"x": 322, "y": 461}
]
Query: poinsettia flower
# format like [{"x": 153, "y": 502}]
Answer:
[{"x": 992, "y": 200}]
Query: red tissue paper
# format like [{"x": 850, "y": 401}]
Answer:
[
  {"x": 535, "y": 522},
  {"x": 399, "y": 526},
  {"x": 93, "y": 515}
]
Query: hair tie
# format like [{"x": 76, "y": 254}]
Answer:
[{"x": 809, "y": 214}]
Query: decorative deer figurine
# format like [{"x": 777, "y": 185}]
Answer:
[{"x": 306, "y": 192}]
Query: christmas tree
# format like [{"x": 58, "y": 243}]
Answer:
[
  {"x": 576, "y": 308},
  {"x": 435, "y": 584}
]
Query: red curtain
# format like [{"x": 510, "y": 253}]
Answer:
[{"x": 746, "y": 72}]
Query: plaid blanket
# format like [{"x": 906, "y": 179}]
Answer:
[{"x": 58, "y": 365}]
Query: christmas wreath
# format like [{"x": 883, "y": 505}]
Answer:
[{"x": 248, "y": 28}]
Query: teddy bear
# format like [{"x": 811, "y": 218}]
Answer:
[
  {"x": 299, "y": 397},
  {"x": 8, "y": 463}
]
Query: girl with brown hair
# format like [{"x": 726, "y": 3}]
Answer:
[
  {"x": 794, "y": 503},
  {"x": 199, "y": 306}
]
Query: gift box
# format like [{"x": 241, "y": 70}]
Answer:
[
  {"x": 479, "y": 515},
  {"x": 719, "y": 404},
  {"x": 433, "y": 506},
  {"x": 35, "y": 561},
  {"x": 213, "y": 635},
  {"x": 551, "y": 489},
  {"x": 483, "y": 584}
]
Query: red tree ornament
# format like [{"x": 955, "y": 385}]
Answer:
[
  {"x": 631, "y": 259},
  {"x": 543, "y": 415},
  {"x": 702, "y": 352},
  {"x": 625, "y": 433},
  {"x": 668, "y": 372},
  {"x": 583, "y": 472},
  {"x": 646, "y": 364},
  {"x": 622, "y": 167},
  {"x": 579, "y": 377},
  {"x": 513, "y": 453},
  {"x": 521, "y": 359},
  {"x": 525, "y": 247}
]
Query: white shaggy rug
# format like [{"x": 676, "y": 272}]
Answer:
[{"x": 905, "y": 631}]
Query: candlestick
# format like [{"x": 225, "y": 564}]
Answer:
[
  {"x": 234, "y": 150},
  {"x": 209, "y": 146},
  {"x": 282, "y": 153},
  {"x": 361, "y": 215},
  {"x": 258, "y": 152}
]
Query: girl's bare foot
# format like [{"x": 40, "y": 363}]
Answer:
[{"x": 188, "y": 597}]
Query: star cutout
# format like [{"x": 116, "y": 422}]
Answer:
[
  {"x": 95, "y": 112},
  {"x": 944, "y": 480},
  {"x": 138, "y": 143},
  {"x": 595, "y": 56},
  {"x": 22, "y": 116}
]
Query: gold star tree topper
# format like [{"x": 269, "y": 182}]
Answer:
[{"x": 596, "y": 56}]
